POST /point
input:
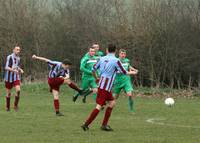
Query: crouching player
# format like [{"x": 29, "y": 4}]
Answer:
[
  {"x": 124, "y": 81},
  {"x": 12, "y": 77},
  {"x": 58, "y": 75}
]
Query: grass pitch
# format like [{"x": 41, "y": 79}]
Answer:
[{"x": 35, "y": 122}]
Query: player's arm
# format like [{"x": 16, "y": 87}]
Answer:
[
  {"x": 94, "y": 69},
  {"x": 8, "y": 66},
  {"x": 133, "y": 69},
  {"x": 19, "y": 68},
  {"x": 121, "y": 69},
  {"x": 40, "y": 58},
  {"x": 83, "y": 66}
]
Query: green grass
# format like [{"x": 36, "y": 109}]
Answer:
[{"x": 36, "y": 122}]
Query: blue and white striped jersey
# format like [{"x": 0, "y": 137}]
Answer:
[
  {"x": 13, "y": 62},
  {"x": 56, "y": 69},
  {"x": 108, "y": 66}
]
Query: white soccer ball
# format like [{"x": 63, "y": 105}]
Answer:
[{"x": 169, "y": 101}]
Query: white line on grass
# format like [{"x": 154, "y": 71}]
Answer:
[{"x": 158, "y": 121}]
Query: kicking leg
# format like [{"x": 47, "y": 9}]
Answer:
[{"x": 74, "y": 86}]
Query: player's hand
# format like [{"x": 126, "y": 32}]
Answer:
[
  {"x": 16, "y": 71},
  {"x": 136, "y": 71},
  {"x": 21, "y": 71},
  {"x": 132, "y": 72},
  {"x": 66, "y": 76},
  {"x": 97, "y": 80},
  {"x": 34, "y": 57}
]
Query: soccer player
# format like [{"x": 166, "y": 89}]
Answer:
[
  {"x": 58, "y": 75},
  {"x": 108, "y": 66},
  {"x": 98, "y": 53},
  {"x": 88, "y": 81},
  {"x": 124, "y": 81},
  {"x": 12, "y": 77}
]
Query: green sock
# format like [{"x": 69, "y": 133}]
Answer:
[
  {"x": 88, "y": 92},
  {"x": 77, "y": 94},
  {"x": 131, "y": 104}
]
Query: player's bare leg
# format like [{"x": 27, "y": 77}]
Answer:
[
  {"x": 17, "y": 97},
  {"x": 8, "y": 95},
  {"x": 56, "y": 102}
]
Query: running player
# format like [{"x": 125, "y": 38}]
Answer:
[
  {"x": 124, "y": 81},
  {"x": 58, "y": 75},
  {"x": 108, "y": 66},
  {"x": 12, "y": 77},
  {"x": 88, "y": 81}
]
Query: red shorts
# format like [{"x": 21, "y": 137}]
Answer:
[
  {"x": 55, "y": 83},
  {"x": 10, "y": 85},
  {"x": 103, "y": 96}
]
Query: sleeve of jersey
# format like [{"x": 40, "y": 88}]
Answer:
[
  {"x": 8, "y": 62},
  {"x": 82, "y": 67},
  {"x": 120, "y": 68},
  {"x": 96, "y": 66},
  {"x": 52, "y": 63}
]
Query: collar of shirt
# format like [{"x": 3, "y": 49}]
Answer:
[
  {"x": 14, "y": 55},
  {"x": 111, "y": 54}
]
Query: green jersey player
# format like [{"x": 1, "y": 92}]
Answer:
[
  {"x": 98, "y": 53},
  {"x": 124, "y": 81},
  {"x": 88, "y": 81}
]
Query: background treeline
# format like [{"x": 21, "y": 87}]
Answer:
[{"x": 162, "y": 37}]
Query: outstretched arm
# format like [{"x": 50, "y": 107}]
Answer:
[
  {"x": 121, "y": 69},
  {"x": 133, "y": 69},
  {"x": 40, "y": 58}
]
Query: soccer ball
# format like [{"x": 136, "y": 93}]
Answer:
[{"x": 169, "y": 101}]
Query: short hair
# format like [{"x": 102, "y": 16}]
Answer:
[
  {"x": 67, "y": 62},
  {"x": 17, "y": 45},
  {"x": 95, "y": 43},
  {"x": 91, "y": 47},
  {"x": 122, "y": 51},
  {"x": 111, "y": 48}
]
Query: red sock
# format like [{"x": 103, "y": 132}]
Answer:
[
  {"x": 74, "y": 86},
  {"x": 56, "y": 105},
  {"x": 92, "y": 116},
  {"x": 16, "y": 101},
  {"x": 107, "y": 116},
  {"x": 7, "y": 103}
]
